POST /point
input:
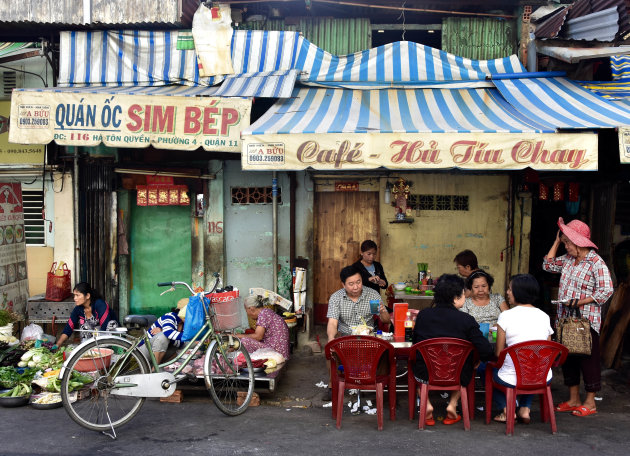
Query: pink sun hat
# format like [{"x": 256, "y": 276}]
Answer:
[{"x": 577, "y": 231}]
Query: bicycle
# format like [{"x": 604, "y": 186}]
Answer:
[{"x": 124, "y": 377}]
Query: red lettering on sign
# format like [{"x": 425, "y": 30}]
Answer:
[
  {"x": 533, "y": 152},
  {"x": 210, "y": 120},
  {"x": 229, "y": 117},
  {"x": 475, "y": 151},
  {"x": 412, "y": 152},
  {"x": 163, "y": 119},
  {"x": 192, "y": 120},
  {"x": 134, "y": 113},
  {"x": 309, "y": 152}
]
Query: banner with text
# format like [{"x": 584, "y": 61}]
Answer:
[
  {"x": 475, "y": 151},
  {"x": 13, "y": 280},
  {"x": 164, "y": 122},
  {"x": 16, "y": 154}
]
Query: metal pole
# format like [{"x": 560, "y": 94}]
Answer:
[
  {"x": 75, "y": 203},
  {"x": 274, "y": 194}
]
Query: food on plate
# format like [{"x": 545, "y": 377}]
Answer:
[
  {"x": 8, "y": 234},
  {"x": 19, "y": 233}
]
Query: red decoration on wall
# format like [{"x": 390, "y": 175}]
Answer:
[
  {"x": 141, "y": 197},
  {"x": 574, "y": 192},
  {"x": 184, "y": 199}
]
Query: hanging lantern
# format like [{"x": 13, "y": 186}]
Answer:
[
  {"x": 558, "y": 191},
  {"x": 543, "y": 192}
]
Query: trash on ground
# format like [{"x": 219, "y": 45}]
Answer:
[
  {"x": 321, "y": 384},
  {"x": 327, "y": 404}
]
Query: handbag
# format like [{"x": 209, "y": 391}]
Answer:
[{"x": 574, "y": 332}]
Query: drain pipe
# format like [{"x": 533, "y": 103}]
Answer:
[
  {"x": 75, "y": 203},
  {"x": 274, "y": 194}
]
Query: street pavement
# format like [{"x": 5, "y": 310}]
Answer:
[{"x": 293, "y": 420}]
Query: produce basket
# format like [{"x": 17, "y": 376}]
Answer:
[
  {"x": 97, "y": 359},
  {"x": 58, "y": 286},
  {"x": 227, "y": 313}
]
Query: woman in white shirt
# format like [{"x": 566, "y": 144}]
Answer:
[{"x": 522, "y": 323}]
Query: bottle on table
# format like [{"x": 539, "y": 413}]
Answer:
[
  {"x": 429, "y": 278},
  {"x": 408, "y": 328}
]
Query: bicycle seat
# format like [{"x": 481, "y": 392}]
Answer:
[{"x": 139, "y": 321}]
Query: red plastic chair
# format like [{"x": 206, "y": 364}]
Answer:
[
  {"x": 359, "y": 356},
  {"x": 444, "y": 358},
  {"x": 532, "y": 361}
]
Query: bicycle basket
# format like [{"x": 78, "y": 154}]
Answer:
[{"x": 227, "y": 311}]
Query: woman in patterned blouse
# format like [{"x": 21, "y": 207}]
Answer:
[
  {"x": 271, "y": 330},
  {"x": 482, "y": 304},
  {"x": 585, "y": 284}
]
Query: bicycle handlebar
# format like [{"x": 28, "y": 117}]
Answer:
[{"x": 192, "y": 292}]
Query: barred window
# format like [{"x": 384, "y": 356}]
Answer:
[
  {"x": 439, "y": 202},
  {"x": 254, "y": 195},
  {"x": 34, "y": 224}
]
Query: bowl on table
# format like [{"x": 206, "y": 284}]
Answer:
[{"x": 399, "y": 286}]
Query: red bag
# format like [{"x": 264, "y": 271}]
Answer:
[
  {"x": 58, "y": 286},
  {"x": 227, "y": 310}
]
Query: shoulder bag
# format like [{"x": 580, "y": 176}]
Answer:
[{"x": 574, "y": 332}]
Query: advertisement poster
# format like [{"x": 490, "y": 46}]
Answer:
[
  {"x": 13, "y": 280},
  {"x": 16, "y": 154}
]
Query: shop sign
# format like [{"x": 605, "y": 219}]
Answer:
[
  {"x": 624, "y": 145},
  {"x": 164, "y": 122},
  {"x": 474, "y": 151},
  {"x": 346, "y": 186},
  {"x": 13, "y": 280},
  {"x": 16, "y": 154}
]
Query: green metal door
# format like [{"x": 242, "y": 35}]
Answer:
[{"x": 160, "y": 244}]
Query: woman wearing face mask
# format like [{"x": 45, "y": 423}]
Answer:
[{"x": 585, "y": 284}]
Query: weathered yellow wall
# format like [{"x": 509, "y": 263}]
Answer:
[
  {"x": 435, "y": 237},
  {"x": 38, "y": 262},
  {"x": 63, "y": 222}
]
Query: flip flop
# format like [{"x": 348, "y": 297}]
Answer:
[
  {"x": 565, "y": 407},
  {"x": 429, "y": 422},
  {"x": 583, "y": 411},
  {"x": 449, "y": 421}
]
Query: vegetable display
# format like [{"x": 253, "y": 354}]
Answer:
[{"x": 8, "y": 377}]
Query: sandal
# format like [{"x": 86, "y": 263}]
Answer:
[
  {"x": 500, "y": 418},
  {"x": 565, "y": 407},
  {"x": 449, "y": 421},
  {"x": 583, "y": 411}
]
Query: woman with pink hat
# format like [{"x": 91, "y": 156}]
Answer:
[{"x": 585, "y": 283}]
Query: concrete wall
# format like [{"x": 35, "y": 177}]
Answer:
[
  {"x": 435, "y": 237},
  {"x": 248, "y": 231}
]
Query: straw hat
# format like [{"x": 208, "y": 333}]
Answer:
[
  {"x": 578, "y": 232},
  {"x": 182, "y": 303}
]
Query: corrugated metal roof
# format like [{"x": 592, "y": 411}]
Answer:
[
  {"x": 600, "y": 20},
  {"x": 103, "y": 12},
  {"x": 576, "y": 54},
  {"x": 337, "y": 36},
  {"x": 478, "y": 38}
]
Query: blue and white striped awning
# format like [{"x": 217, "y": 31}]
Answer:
[
  {"x": 560, "y": 103},
  {"x": 316, "y": 110},
  {"x": 271, "y": 84},
  {"x": 165, "y": 90}
]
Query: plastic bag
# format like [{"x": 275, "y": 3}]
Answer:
[
  {"x": 195, "y": 316},
  {"x": 32, "y": 332}
]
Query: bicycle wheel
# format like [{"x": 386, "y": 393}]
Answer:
[
  {"x": 92, "y": 405},
  {"x": 230, "y": 386}
]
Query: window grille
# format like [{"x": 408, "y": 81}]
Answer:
[
  {"x": 34, "y": 224},
  {"x": 438, "y": 202},
  {"x": 254, "y": 195}
]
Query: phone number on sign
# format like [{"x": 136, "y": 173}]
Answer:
[{"x": 266, "y": 158}]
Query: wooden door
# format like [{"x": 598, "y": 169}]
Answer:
[{"x": 343, "y": 220}]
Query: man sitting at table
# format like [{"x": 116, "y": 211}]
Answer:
[{"x": 350, "y": 306}]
